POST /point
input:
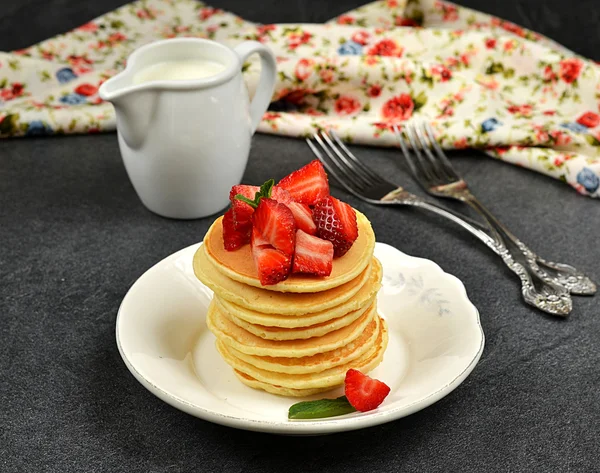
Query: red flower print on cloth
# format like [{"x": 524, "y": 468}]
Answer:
[
  {"x": 398, "y": 108},
  {"x": 589, "y": 120},
  {"x": 449, "y": 12},
  {"x": 570, "y": 69},
  {"x": 490, "y": 43},
  {"x": 523, "y": 110},
  {"x": 327, "y": 75},
  {"x": 402, "y": 21},
  {"x": 12, "y": 91},
  {"x": 441, "y": 73},
  {"x": 304, "y": 68},
  {"x": 298, "y": 39},
  {"x": 386, "y": 47},
  {"x": 86, "y": 90},
  {"x": 361, "y": 37},
  {"x": 88, "y": 27},
  {"x": 374, "y": 90},
  {"x": 346, "y": 105},
  {"x": 207, "y": 12},
  {"x": 345, "y": 20}
]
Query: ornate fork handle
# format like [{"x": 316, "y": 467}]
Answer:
[
  {"x": 557, "y": 273},
  {"x": 546, "y": 296}
]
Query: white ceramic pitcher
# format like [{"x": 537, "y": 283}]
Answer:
[{"x": 185, "y": 143}]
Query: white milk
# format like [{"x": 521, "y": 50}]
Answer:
[{"x": 178, "y": 70}]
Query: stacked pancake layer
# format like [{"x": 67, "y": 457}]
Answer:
[{"x": 298, "y": 337}]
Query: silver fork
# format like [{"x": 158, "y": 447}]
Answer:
[
  {"x": 365, "y": 184},
  {"x": 437, "y": 176}
]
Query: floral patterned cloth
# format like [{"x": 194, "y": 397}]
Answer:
[{"x": 481, "y": 81}]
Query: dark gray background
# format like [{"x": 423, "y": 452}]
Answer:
[{"x": 74, "y": 237}]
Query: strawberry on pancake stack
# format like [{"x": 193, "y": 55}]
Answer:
[{"x": 295, "y": 285}]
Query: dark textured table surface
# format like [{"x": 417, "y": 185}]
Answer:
[{"x": 74, "y": 237}]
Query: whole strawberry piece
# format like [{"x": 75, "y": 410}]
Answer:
[
  {"x": 336, "y": 222},
  {"x": 312, "y": 255},
  {"x": 232, "y": 238},
  {"x": 308, "y": 184},
  {"x": 363, "y": 392}
]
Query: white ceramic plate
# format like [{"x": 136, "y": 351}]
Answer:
[{"x": 435, "y": 342}]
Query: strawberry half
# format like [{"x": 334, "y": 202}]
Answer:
[
  {"x": 363, "y": 392},
  {"x": 336, "y": 222},
  {"x": 232, "y": 238},
  {"x": 312, "y": 255},
  {"x": 308, "y": 184},
  {"x": 242, "y": 212},
  {"x": 273, "y": 241},
  {"x": 303, "y": 217},
  {"x": 273, "y": 265}
]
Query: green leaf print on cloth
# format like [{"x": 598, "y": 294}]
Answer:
[{"x": 482, "y": 82}]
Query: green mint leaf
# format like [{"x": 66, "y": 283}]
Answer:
[
  {"x": 251, "y": 203},
  {"x": 265, "y": 190},
  {"x": 320, "y": 409}
]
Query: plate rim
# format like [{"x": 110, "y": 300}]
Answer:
[{"x": 303, "y": 427}]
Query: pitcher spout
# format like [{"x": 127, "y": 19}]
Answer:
[{"x": 134, "y": 106}]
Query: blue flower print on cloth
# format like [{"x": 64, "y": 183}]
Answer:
[
  {"x": 38, "y": 128},
  {"x": 588, "y": 179},
  {"x": 350, "y": 48},
  {"x": 490, "y": 124},
  {"x": 576, "y": 127},
  {"x": 65, "y": 75},
  {"x": 73, "y": 99}
]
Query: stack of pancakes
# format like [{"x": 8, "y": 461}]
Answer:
[{"x": 300, "y": 336}]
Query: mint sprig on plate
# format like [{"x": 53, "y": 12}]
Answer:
[
  {"x": 264, "y": 191},
  {"x": 320, "y": 409}
]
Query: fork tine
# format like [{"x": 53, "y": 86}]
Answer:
[
  {"x": 371, "y": 174},
  {"x": 413, "y": 168},
  {"x": 443, "y": 159},
  {"x": 348, "y": 162},
  {"x": 431, "y": 176},
  {"x": 438, "y": 168},
  {"x": 331, "y": 169},
  {"x": 349, "y": 173}
]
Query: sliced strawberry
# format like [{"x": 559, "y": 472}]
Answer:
[
  {"x": 363, "y": 392},
  {"x": 275, "y": 223},
  {"x": 308, "y": 184},
  {"x": 273, "y": 265},
  {"x": 312, "y": 255},
  {"x": 303, "y": 217},
  {"x": 336, "y": 222},
  {"x": 242, "y": 212},
  {"x": 232, "y": 238},
  {"x": 281, "y": 195}
]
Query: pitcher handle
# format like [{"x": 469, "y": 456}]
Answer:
[{"x": 268, "y": 75}]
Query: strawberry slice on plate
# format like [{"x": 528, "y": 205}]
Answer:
[
  {"x": 336, "y": 222},
  {"x": 312, "y": 255},
  {"x": 273, "y": 240},
  {"x": 232, "y": 238},
  {"x": 363, "y": 392},
  {"x": 308, "y": 184}
]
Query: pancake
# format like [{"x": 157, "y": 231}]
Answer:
[
  {"x": 279, "y": 390},
  {"x": 271, "y": 302},
  {"x": 298, "y": 333},
  {"x": 362, "y": 298},
  {"x": 239, "y": 265},
  {"x": 246, "y": 342},
  {"x": 315, "y": 363},
  {"x": 294, "y": 385}
]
